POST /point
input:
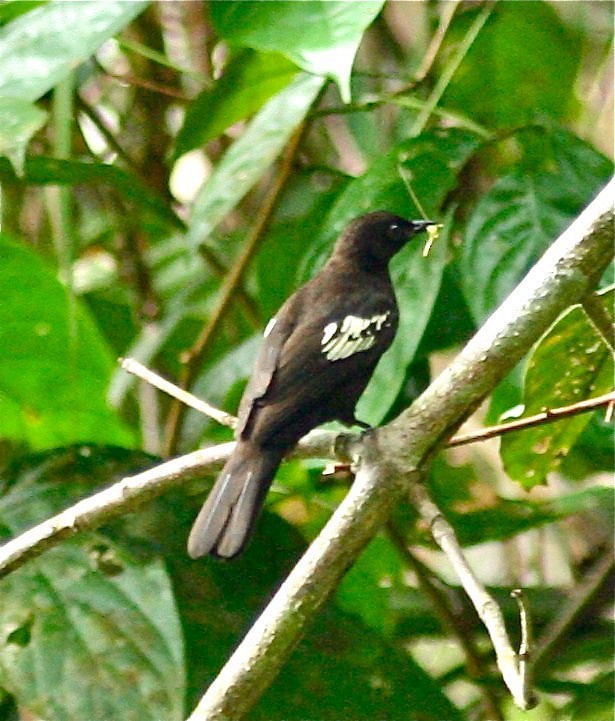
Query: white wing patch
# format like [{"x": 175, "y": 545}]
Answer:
[
  {"x": 353, "y": 335},
  {"x": 269, "y": 326}
]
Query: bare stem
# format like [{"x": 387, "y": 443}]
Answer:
[
  {"x": 483, "y": 602},
  {"x": 547, "y": 416},
  {"x": 133, "y": 366}
]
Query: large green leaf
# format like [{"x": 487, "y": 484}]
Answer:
[
  {"x": 87, "y": 630},
  {"x": 42, "y": 46},
  {"x": 320, "y": 37},
  {"x": 249, "y": 156},
  {"x": 249, "y": 80},
  {"x": 431, "y": 162},
  {"x": 524, "y": 212},
  {"x": 520, "y": 68},
  {"x": 570, "y": 363},
  {"x": 80, "y": 643},
  {"x": 54, "y": 364}
]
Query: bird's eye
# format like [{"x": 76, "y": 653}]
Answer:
[{"x": 394, "y": 227}]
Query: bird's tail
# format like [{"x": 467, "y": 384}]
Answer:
[{"x": 225, "y": 522}]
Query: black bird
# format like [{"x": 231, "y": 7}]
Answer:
[{"x": 317, "y": 356}]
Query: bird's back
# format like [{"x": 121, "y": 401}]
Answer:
[{"x": 331, "y": 335}]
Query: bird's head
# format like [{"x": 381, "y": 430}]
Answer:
[{"x": 373, "y": 239}]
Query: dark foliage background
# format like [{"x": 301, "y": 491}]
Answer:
[{"x": 145, "y": 162}]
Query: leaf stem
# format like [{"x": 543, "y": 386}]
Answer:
[
  {"x": 547, "y": 416},
  {"x": 451, "y": 69}
]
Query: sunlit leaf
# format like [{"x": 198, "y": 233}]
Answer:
[
  {"x": 320, "y": 37},
  {"x": 249, "y": 80},
  {"x": 570, "y": 363},
  {"x": 41, "y": 47}
]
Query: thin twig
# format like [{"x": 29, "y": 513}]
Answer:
[
  {"x": 148, "y": 85},
  {"x": 249, "y": 307},
  {"x": 483, "y": 602},
  {"x": 525, "y": 646},
  {"x": 547, "y": 416},
  {"x": 109, "y": 137},
  {"x": 231, "y": 285},
  {"x": 132, "y": 366},
  {"x": 451, "y": 69},
  {"x": 402, "y": 99},
  {"x": 448, "y": 619},
  {"x": 448, "y": 11}
]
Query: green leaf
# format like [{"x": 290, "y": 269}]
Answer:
[
  {"x": 19, "y": 120},
  {"x": 524, "y": 212},
  {"x": 11, "y": 9},
  {"x": 431, "y": 163},
  {"x": 81, "y": 641},
  {"x": 249, "y": 156},
  {"x": 55, "y": 366},
  {"x": 367, "y": 588},
  {"x": 40, "y": 48},
  {"x": 480, "y": 516},
  {"x": 530, "y": 58},
  {"x": 570, "y": 363},
  {"x": 40, "y": 170},
  {"x": 88, "y": 630},
  {"x": 249, "y": 80},
  {"x": 594, "y": 701},
  {"x": 320, "y": 37}
]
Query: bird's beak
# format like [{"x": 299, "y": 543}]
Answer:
[{"x": 420, "y": 225}]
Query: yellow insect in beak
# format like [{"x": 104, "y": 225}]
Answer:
[{"x": 433, "y": 233}]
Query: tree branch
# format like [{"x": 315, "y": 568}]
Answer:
[
  {"x": 133, "y": 491},
  {"x": 547, "y": 416},
  {"x": 393, "y": 456},
  {"x": 449, "y": 620}
]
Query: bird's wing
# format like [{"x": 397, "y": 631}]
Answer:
[
  {"x": 277, "y": 332},
  {"x": 315, "y": 372},
  {"x": 321, "y": 354}
]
